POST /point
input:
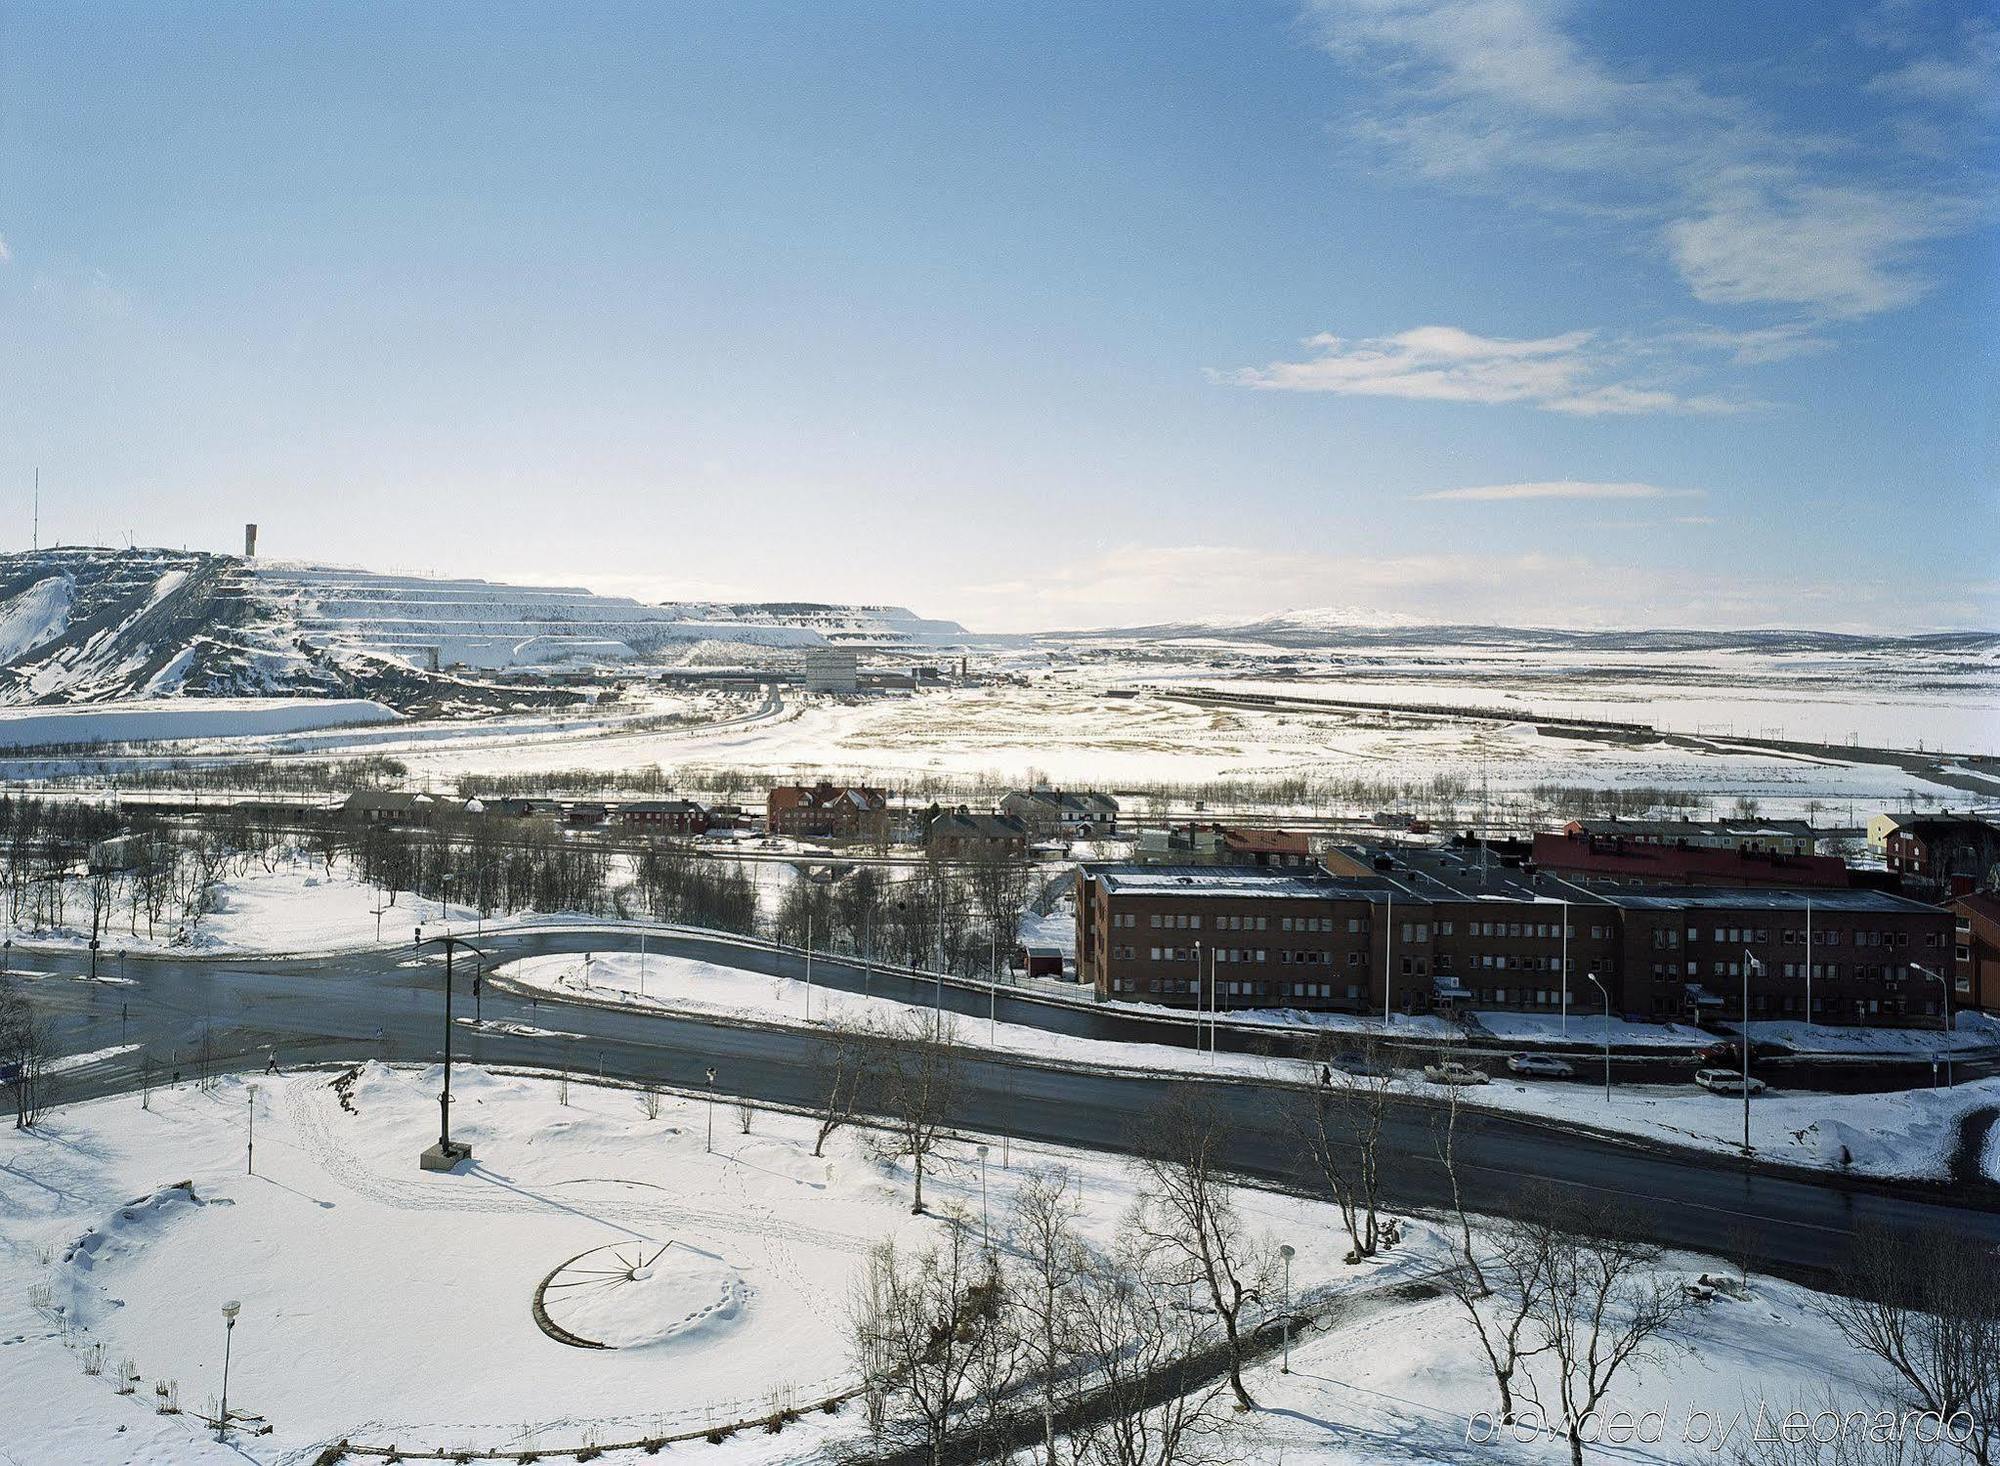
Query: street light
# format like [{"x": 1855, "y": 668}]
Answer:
[
  {"x": 229, "y": 1312},
  {"x": 1287, "y": 1253},
  {"x": 447, "y": 1153},
  {"x": 708, "y": 1145},
  {"x": 250, "y": 1146},
  {"x": 985, "y": 1235},
  {"x": 809, "y": 966},
  {"x": 1198, "y": 1004},
  {"x": 1749, "y": 962},
  {"x": 1948, "y": 1028},
  {"x": 1607, "y": 1032}
]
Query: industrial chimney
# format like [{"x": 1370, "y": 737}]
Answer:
[{"x": 249, "y": 541}]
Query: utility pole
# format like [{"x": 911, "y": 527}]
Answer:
[
  {"x": 1748, "y": 963},
  {"x": 1607, "y": 1033},
  {"x": 1565, "y": 966},
  {"x": 1949, "y": 1028},
  {"x": 447, "y": 1153}
]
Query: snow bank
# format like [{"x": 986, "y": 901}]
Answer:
[{"x": 148, "y": 722}]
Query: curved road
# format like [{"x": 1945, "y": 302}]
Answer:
[{"x": 383, "y": 1004}]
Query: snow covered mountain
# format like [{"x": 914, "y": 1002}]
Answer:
[{"x": 89, "y": 625}]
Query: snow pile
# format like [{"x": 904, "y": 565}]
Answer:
[{"x": 38, "y": 614}]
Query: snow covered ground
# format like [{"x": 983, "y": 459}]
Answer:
[
  {"x": 383, "y": 1304},
  {"x": 1536, "y": 1030},
  {"x": 298, "y": 907},
  {"x": 1410, "y": 1385},
  {"x": 164, "y": 720}
]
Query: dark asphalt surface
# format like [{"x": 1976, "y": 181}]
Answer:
[{"x": 385, "y": 1005}]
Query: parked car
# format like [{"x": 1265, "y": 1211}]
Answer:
[
  {"x": 1726, "y": 1051},
  {"x": 1363, "y": 1067},
  {"x": 1727, "y": 1081},
  {"x": 1540, "y": 1066},
  {"x": 1453, "y": 1072}
]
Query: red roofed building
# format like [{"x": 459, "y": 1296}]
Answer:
[
  {"x": 828, "y": 811},
  {"x": 1282, "y": 848},
  {"x": 1600, "y": 860}
]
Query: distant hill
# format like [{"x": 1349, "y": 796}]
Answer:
[
  {"x": 1332, "y": 628},
  {"x": 93, "y": 625}
]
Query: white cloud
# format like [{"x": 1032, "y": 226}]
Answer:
[
  {"x": 1757, "y": 346},
  {"x": 1497, "y": 96},
  {"x": 1565, "y": 373},
  {"x": 6, "y": 254},
  {"x": 1559, "y": 489},
  {"x": 1841, "y": 251},
  {"x": 1964, "y": 73}
]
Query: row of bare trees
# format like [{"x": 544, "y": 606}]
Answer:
[
  {"x": 961, "y": 916},
  {"x": 1047, "y": 1343}
]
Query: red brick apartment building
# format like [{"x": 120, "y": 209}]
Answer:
[
  {"x": 1426, "y": 929},
  {"x": 828, "y": 811},
  {"x": 661, "y": 817},
  {"x": 1976, "y": 951},
  {"x": 1579, "y": 854}
]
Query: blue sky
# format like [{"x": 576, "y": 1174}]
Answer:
[{"x": 1035, "y": 316}]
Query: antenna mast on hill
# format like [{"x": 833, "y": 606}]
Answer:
[{"x": 38, "y": 510}]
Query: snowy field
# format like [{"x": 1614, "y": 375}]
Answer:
[
  {"x": 1099, "y": 723},
  {"x": 164, "y": 720},
  {"x": 384, "y": 1305}
]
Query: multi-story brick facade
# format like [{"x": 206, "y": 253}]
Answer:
[
  {"x": 1423, "y": 929},
  {"x": 828, "y": 811}
]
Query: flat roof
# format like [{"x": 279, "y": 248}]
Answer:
[
  {"x": 1212, "y": 880},
  {"x": 1774, "y": 898}
]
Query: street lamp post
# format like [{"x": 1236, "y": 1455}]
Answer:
[
  {"x": 250, "y": 1145},
  {"x": 1949, "y": 1029},
  {"x": 708, "y": 1145},
  {"x": 809, "y": 966},
  {"x": 985, "y": 1232},
  {"x": 993, "y": 991},
  {"x": 1749, "y": 962},
  {"x": 1198, "y": 1004},
  {"x": 447, "y": 1153},
  {"x": 229, "y": 1312},
  {"x": 1287, "y": 1253},
  {"x": 1607, "y": 1032}
]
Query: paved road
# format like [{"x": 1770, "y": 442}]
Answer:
[{"x": 382, "y": 1005}]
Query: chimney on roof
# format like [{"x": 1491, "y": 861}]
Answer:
[{"x": 249, "y": 541}]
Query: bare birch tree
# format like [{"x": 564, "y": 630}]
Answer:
[
  {"x": 920, "y": 1082},
  {"x": 920, "y": 1325},
  {"x": 24, "y": 1056},
  {"x": 1189, "y": 1219},
  {"x": 1154, "y": 1404},
  {"x": 1050, "y": 1265},
  {"x": 1927, "y": 1306},
  {"x": 1338, "y": 1126},
  {"x": 841, "y": 1073},
  {"x": 1600, "y": 1304}
]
